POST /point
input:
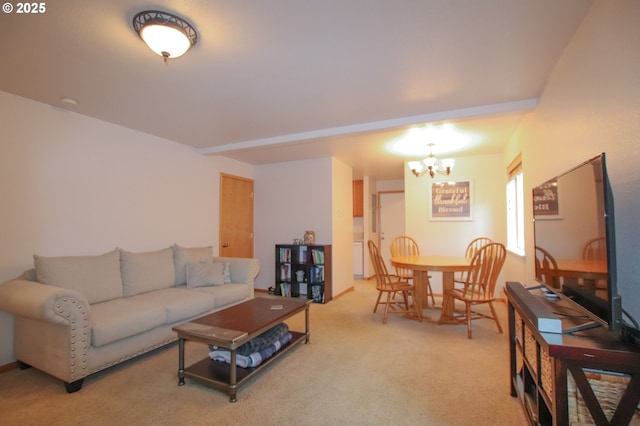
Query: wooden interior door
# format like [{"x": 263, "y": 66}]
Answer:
[{"x": 236, "y": 216}]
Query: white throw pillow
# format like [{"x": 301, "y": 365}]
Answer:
[
  {"x": 203, "y": 274},
  {"x": 183, "y": 256}
]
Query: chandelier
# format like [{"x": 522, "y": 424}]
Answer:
[
  {"x": 428, "y": 165},
  {"x": 166, "y": 34}
]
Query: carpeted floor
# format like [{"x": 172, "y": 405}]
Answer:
[{"x": 356, "y": 371}]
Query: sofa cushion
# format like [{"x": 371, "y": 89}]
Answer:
[
  {"x": 180, "y": 303},
  {"x": 124, "y": 317},
  {"x": 203, "y": 274},
  {"x": 227, "y": 294},
  {"x": 97, "y": 278},
  {"x": 144, "y": 272},
  {"x": 182, "y": 256}
]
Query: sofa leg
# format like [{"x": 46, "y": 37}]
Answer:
[
  {"x": 74, "y": 386},
  {"x": 23, "y": 365}
]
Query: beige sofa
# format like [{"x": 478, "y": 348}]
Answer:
[{"x": 77, "y": 315}]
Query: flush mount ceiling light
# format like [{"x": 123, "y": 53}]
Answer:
[{"x": 165, "y": 33}]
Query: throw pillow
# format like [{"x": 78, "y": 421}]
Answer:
[
  {"x": 97, "y": 278},
  {"x": 203, "y": 274},
  {"x": 183, "y": 256},
  {"x": 144, "y": 272},
  {"x": 227, "y": 272}
]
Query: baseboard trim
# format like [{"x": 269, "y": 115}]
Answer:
[
  {"x": 350, "y": 289},
  {"x": 8, "y": 367},
  {"x": 261, "y": 290}
]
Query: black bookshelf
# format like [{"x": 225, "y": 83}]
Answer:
[{"x": 303, "y": 271}]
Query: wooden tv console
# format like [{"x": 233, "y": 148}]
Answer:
[{"x": 586, "y": 377}]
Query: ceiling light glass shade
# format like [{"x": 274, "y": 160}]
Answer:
[
  {"x": 418, "y": 167},
  {"x": 448, "y": 163},
  {"x": 166, "y": 34},
  {"x": 165, "y": 41}
]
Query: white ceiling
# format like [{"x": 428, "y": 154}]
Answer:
[{"x": 280, "y": 80}]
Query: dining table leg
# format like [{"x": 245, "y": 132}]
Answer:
[
  {"x": 447, "y": 308},
  {"x": 420, "y": 281}
]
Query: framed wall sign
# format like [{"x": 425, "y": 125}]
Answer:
[
  {"x": 451, "y": 200},
  {"x": 546, "y": 204}
]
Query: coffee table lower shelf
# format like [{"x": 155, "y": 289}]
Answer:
[{"x": 217, "y": 374}]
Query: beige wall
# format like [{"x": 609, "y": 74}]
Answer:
[
  {"x": 591, "y": 104},
  {"x": 290, "y": 198},
  {"x": 451, "y": 237},
  {"x": 73, "y": 185},
  {"x": 342, "y": 212},
  {"x": 296, "y": 196}
]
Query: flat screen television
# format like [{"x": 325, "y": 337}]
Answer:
[{"x": 574, "y": 240}]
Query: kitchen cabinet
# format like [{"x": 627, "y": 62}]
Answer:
[{"x": 358, "y": 198}]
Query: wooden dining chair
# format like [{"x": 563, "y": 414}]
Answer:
[
  {"x": 390, "y": 285},
  {"x": 546, "y": 268},
  {"x": 471, "y": 250},
  {"x": 595, "y": 249},
  {"x": 479, "y": 287},
  {"x": 404, "y": 245}
]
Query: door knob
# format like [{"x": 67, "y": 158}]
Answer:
[{"x": 225, "y": 245}]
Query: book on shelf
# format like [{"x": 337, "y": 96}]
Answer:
[
  {"x": 317, "y": 293},
  {"x": 285, "y": 254},
  {"x": 317, "y": 256},
  {"x": 285, "y": 272},
  {"x": 285, "y": 289},
  {"x": 302, "y": 254},
  {"x": 316, "y": 274}
]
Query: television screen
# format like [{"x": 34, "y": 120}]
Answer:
[{"x": 574, "y": 240}]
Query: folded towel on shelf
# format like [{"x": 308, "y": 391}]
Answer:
[
  {"x": 261, "y": 341},
  {"x": 254, "y": 359},
  {"x": 241, "y": 360}
]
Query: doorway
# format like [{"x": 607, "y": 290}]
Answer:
[{"x": 236, "y": 216}]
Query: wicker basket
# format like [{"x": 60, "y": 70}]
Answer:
[
  {"x": 608, "y": 389},
  {"x": 531, "y": 350},
  {"x": 518, "y": 327},
  {"x": 546, "y": 373}
]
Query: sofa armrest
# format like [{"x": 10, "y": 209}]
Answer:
[
  {"x": 243, "y": 270},
  {"x": 42, "y": 302}
]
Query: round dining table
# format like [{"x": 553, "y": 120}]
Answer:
[
  {"x": 589, "y": 270},
  {"x": 421, "y": 266}
]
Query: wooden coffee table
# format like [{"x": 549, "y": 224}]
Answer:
[{"x": 230, "y": 328}]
